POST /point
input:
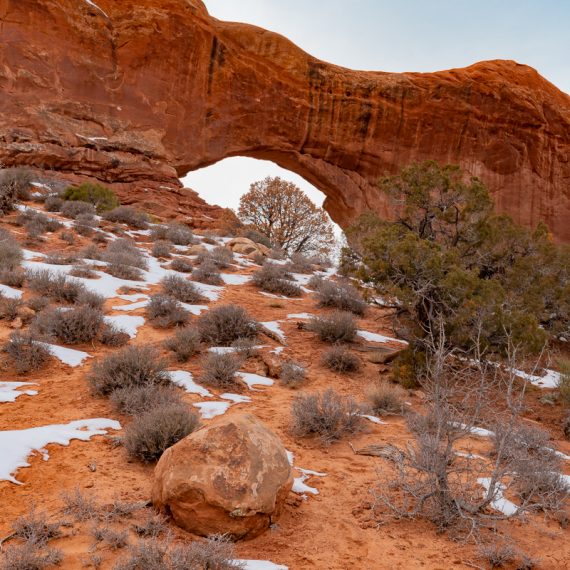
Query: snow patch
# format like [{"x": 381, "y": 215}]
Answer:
[
  {"x": 10, "y": 292},
  {"x": 235, "y": 398},
  {"x": 185, "y": 380},
  {"x": 274, "y": 327},
  {"x": 499, "y": 503},
  {"x": 9, "y": 390},
  {"x": 233, "y": 279},
  {"x": 260, "y": 565},
  {"x": 209, "y": 410},
  {"x": 375, "y": 337},
  {"x": 300, "y": 316},
  {"x": 126, "y": 323},
  {"x": 68, "y": 356},
  {"x": 255, "y": 380},
  {"x": 17, "y": 445}
]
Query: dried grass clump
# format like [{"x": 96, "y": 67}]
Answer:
[
  {"x": 338, "y": 326},
  {"x": 165, "y": 311},
  {"x": 292, "y": 374},
  {"x": 35, "y": 528},
  {"x": 339, "y": 359},
  {"x": 130, "y": 366},
  {"x": 30, "y": 557},
  {"x": 340, "y": 295},
  {"x": 327, "y": 415},
  {"x": 26, "y": 352},
  {"x": 219, "y": 371},
  {"x": 150, "y": 434},
  {"x": 181, "y": 289},
  {"x": 79, "y": 506},
  {"x": 208, "y": 273},
  {"x": 275, "y": 279},
  {"x": 127, "y": 215},
  {"x": 223, "y": 325},
  {"x": 185, "y": 343}
]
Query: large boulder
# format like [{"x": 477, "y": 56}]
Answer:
[{"x": 230, "y": 477}]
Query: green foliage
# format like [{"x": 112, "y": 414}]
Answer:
[
  {"x": 564, "y": 384},
  {"x": 456, "y": 266},
  {"x": 102, "y": 198}
]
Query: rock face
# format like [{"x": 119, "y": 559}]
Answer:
[
  {"x": 232, "y": 476},
  {"x": 139, "y": 93}
]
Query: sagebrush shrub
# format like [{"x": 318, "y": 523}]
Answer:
[
  {"x": 125, "y": 260},
  {"x": 13, "y": 277},
  {"x": 185, "y": 343},
  {"x": 61, "y": 258},
  {"x": 130, "y": 366},
  {"x": 165, "y": 311},
  {"x": 34, "y": 527},
  {"x": 53, "y": 203},
  {"x": 9, "y": 307},
  {"x": 182, "y": 265},
  {"x": 339, "y": 359},
  {"x": 58, "y": 287},
  {"x": 29, "y": 556},
  {"x": 83, "y": 271},
  {"x": 150, "y": 434},
  {"x": 275, "y": 279},
  {"x": 338, "y": 326},
  {"x": 26, "y": 352},
  {"x": 219, "y": 371},
  {"x": 11, "y": 254},
  {"x": 341, "y": 296},
  {"x": 127, "y": 215},
  {"x": 385, "y": 398},
  {"x": 74, "y": 209},
  {"x": 173, "y": 232},
  {"x": 181, "y": 289},
  {"x": 220, "y": 256},
  {"x": 111, "y": 335},
  {"x": 208, "y": 273},
  {"x": 300, "y": 263},
  {"x": 73, "y": 326},
  {"x": 135, "y": 400},
  {"x": 327, "y": 415},
  {"x": 161, "y": 248},
  {"x": 14, "y": 185},
  {"x": 224, "y": 324},
  {"x": 292, "y": 374}
]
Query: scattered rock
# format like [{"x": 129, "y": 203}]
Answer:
[
  {"x": 383, "y": 356},
  {"x": 196, "y": 249},
  {"x": 230, "y": 477}
]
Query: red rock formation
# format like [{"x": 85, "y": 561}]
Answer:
[{"x": 142, "y": 92}]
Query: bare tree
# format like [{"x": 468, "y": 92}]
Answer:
[{"x": 282, "y": 211}]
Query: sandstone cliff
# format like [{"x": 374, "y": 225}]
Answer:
[{"x": 139, "y": 93}]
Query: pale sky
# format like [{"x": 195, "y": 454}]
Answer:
[{"x": 394, "y": 35}]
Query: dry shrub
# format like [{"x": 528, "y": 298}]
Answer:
[
  {"x": 340, "y": 295},
  {"x": 13, "y": 277},
  {"x": 53, "y": 203},
  {"x": 59, "y": 287},
  {"x": 181, "y": 289},
  {"x": 26, "y": 352},
  {"x": 135, "y": 400},
  {"x": 11, "y": 254},
  {"x": 114, "y": 539},
  {"x": 83, "y": 271},
  {"x": 208, "y": 273},
  {"x": 35, "y": 528},
  {"x": 182, "y": 265},
  {"x": 161, "y": 248},
  {"x": 338, "y": 326},
  {"x": 14, "y": 185},
  {"x": 222, "y": 257},
  {"x": 111, "y": 335},
  {"x": 150, "y": 434},
  {"x": 216, "y": 553},
  {"x": 245, "y": 347},
  {"x": 219, "y": 371},
  {"x": 564, "y": 383},
  {"x": 30, "y": 557},
  {"x": 223, "y": 325},
  {"x": 9, "y": 307},
  {"x": 85, "y": 225},
  {"x": 75, "y": 208},
  {"x": 339, "y": 359},
  {"x": 497, "y": 555},
  {"x": 173, "y": 232},
  {"x": 165, "y": 311},
  {"x": 566, "y": 426},
  {"x": 153, "y": 526},
  {"x": 327, "y": 415},
  {"x": 79, "y": 506},
  {"x": 73, "y": 326},
  {"x": 146, "y": 555},
  {"x": 124, "y": 259},
  {"x": 185, "y": 343},
  {"x": 36, "y": 223},
  {"x": 293, "y": 374},
  {"x": 300, "y": 263},
  {"x": 385, "y": 398},
  {"x": 130, "y": 366},
  {"x": 275, "y": 279},
  {"x": 127, "y": 215}
]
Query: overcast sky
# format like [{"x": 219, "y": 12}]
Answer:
[{"x": 394, "y": 35}]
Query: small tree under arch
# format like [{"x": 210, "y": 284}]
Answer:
[{"x": 283, "y": 212}]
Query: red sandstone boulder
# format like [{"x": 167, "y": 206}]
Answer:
[{"x": 230, "y": 477}]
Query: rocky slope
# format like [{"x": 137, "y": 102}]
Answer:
[{"x": 139, "y": 93}]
